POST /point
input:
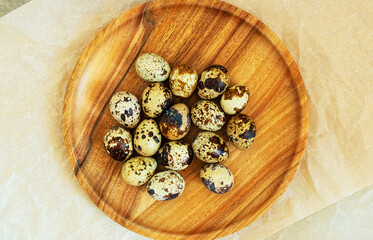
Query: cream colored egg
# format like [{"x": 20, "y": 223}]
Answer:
[
  {"x": 175, "y": 155},
  {"x": 125, "y": 108},
  {"x": 166, "y": 185},
  {"x": 214, "y": 81},
  {"x": 138, "y": 170},
  {"x": 156, "y": 98},
  {"x": 153, "y": 68},
  {"x": 207, "y": 115},
  {"x": 217, "y": 178},
  {"x": 210, "y": 147},
  {"x": 241, "y": 131},
  {"x": 235, "y": 99},
  {"x": 183, "y": 81},
  {"x": 147, "y": 138},
  {"x": 118, "y": 143},
  {"x": 175, "y": 122}
]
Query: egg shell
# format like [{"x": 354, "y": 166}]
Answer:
[
  {"x": 156, "y": 98},
  {"x": 175, "y": 122},
  {"x": 235, "y": 99},
  {"x": 118, "y": 143},
  {"x": 138, "y": 170},
  {"x": 241, "y": 131},
  {"x": 207, "y": 115},
  {"x": 175, "y": 155},
  {"x": 214, "y": 81},
  {"x": 217, "y": 178},
  {"x": 183, "y": 81},
  {"x": 166, "y": 185},
  {"x": 210, "y": 147},
  {"x": 147, "y": 138},
  {"x": 152, "y": 67},
  {"x": 125, "y": 108}
]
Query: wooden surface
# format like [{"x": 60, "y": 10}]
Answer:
[{"x": 199, "y": 33}]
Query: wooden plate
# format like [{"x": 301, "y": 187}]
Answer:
[{"x": 199, "y": 33}]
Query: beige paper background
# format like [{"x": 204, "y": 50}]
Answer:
[
  {"x": 40, "y": 43},
  {"x": 350, "y": 218}
]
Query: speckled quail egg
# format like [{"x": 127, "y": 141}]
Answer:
[
  {"x": 155, "y": 99},
  {"x": 125, "y": 108},
  {"x": 138, "y": 170},
  {"x": 175, "y": 122},
  {"x": 241, "y": 131},
  {"x": 153, "y": 68},
  {"x": 175, "y": 155},
  {"x": 217, "y": 178},
  {"x": 207, "y": 115},
  {"x": 183, "y": 81},
  {"x": 118, "y": 143},
  {"x": 210, "y": 148},
  {"x": 147, "y": 138},
  {"x": 235, "y": 99},
  {"x": 166, "y": 185},
  {"x": 214, "y": 80}
]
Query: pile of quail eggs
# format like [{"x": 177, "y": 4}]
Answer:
[{"x": 174, "y": 123}]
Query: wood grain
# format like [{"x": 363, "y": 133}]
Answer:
[{"x": 199, "y": 33}]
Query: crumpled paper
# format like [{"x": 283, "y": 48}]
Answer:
[
  {"x": 40, "y": 44},
  {"x": 350, "y": 218}
]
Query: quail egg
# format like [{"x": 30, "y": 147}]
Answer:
[
  {"x": 155, "y": 99},
  {"x": 235, "y": 99},
  {"x": 125, "y": 108},
  {"x": 138, "y": 170},
  {"x": 175, "y": 155},
  {"x": 175, "y": 122},
  {"x": 210, "y": 148},
  {"x": 183, "y": 81},
  {"x": 153, "y": 68},
  {"x": 207, "y": 115},
  {"x": 214, "y": 80},
  {"x": 217, "y": 178},
  {"x": 147, "y": 138},
  {"x": 166, "y": 185},
  {"x": 118, "y": 143},
  {"x": 241, "y": 131}
]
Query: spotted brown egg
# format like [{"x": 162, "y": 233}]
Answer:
[
  {"x": 118, "y": 143},
  {"x": 241, "y": 131},
  {"x": 152, "y": 67},
  {"x": 175, "y": 122},
  {"x": 166, "y": 185},
  {"x": 183, "y": 81},
  {"x": 207, "y": 115},
  {"x": 125, "y": 108},
  {"x": 147, "y": 138},
  {"x": 138, "y": 170},
  {"x": 156, "y": 98},
  {"x": 210, "y": 147},
  {"x": 213, "y": 82},
  {"x": 235, "y": 99},
  {"x": 217, "y": 178},
  {"x": 175, "y": 155}
]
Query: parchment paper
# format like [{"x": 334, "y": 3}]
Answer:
[
  {"x": 40, "y": 44},
  {"x": 349, "y": 218}
]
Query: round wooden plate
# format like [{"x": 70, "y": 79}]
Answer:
[{"x": 198, "y": 33}]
